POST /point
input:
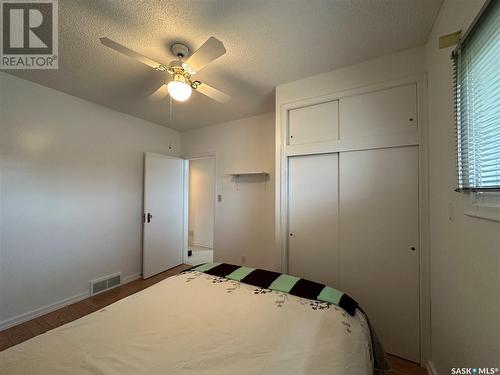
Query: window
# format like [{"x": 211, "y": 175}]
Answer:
[{"x": 477, "y": 99}]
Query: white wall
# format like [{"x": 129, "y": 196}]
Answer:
[
  {"x": 245, "y": 218},
  {"x": 465, "y": 252},
  {"x": 406, "y": 63},
  {"x": 201, "y": 201},
  {"x": 70, "y": 194}
]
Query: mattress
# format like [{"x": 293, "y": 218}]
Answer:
[{"x": 197, "y": 323}]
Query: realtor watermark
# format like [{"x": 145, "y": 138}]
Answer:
[
  {"x": 29, "y": 34},
  {"x": 474, "y": 370}
]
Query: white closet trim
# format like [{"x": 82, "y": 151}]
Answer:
[{"x": 354, "y": 144}]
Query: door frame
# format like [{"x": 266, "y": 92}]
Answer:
[
  {"x": 187, "y": 158},
  {"x": 283, "y": 152}
]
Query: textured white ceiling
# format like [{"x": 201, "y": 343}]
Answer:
[{"x": 268, "y": 42}]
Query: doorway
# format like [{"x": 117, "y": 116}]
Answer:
[{"x": 201, "y": 210}]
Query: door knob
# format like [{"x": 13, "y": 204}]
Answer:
[
  {"x": 291, "y": 234},
  {"x": 149, "y": 216}
]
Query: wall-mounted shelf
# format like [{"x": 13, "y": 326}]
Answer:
[
  {"x": 248, "y": 174},
  {"x": 249, "y": 177}
]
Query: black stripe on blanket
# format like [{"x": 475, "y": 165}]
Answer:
[{"x": 261, "y": 278}]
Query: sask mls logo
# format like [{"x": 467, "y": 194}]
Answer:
[
  {"x": 474, "y": 370},
  {"x": 29, "y": 34}
]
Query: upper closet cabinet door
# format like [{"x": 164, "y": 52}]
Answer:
[
  {"x": 381, "y": 112},
  {"x": 315, "y": 123}
]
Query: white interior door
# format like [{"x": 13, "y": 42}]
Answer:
[
  {"x": 163, "y": 213},
  {"x": 313, "y": 217},
  {"x": 379, "y": 242}
]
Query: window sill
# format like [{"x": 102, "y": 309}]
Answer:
[{"x": 482, "y": 205}]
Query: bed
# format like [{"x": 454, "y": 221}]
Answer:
[{"x": 203, "y": 321}]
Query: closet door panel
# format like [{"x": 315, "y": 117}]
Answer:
[
  {"x": 388, "y": 111},
  {"x": 315, "y": 123},
  {"x": 313, "y": 217},
  {"x": 379, "y": 242}
]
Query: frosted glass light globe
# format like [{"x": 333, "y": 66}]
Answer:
[{"x": 179, "y": 91}]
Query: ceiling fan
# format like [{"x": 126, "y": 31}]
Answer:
[{"x": 180, "y": 84}]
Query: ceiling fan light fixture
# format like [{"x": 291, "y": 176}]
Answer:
[
  {"x": 179, "y": 89},
  {"x": 180, "y": 86}
]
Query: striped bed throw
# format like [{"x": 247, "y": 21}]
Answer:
[{"x": 280, "y": 282}]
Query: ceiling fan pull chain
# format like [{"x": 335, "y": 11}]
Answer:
[{"x": 171, "y": 107}]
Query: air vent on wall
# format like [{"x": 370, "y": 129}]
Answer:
[{"x": 105, "y": 283}]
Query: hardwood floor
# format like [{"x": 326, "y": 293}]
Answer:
[
  {"x": 22, "y": 332},
  {"x": 401, "y": 366}
]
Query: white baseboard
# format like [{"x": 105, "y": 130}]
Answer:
[
  {"x": 431, "y": 369},
  {"x": 21, "y": 318},
  {"x": 130, "y": 278}
]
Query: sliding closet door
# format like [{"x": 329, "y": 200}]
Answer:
[
  {"x": 313, "y": 217},
  {"x": 379, "y": 242}
]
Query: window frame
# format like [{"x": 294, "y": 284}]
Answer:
[{"x": 482, "y": 202}]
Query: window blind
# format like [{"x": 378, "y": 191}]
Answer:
[{"x": 477, "y": 102}]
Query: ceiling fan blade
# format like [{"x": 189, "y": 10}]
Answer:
[
  {"x": 208, "y": 52},
  {"x": 212, "y": 93},
  {"x": 130, "y": 53},
  {"x": 159, "y": 94}
]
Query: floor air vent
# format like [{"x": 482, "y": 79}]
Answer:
[{"x": 105, "y": 283}]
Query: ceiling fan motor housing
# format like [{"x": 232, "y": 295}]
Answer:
[
  {"x": 175, "y": 67},
  {"x": 177, "y": 77}
]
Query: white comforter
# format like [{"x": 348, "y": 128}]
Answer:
[{"x": 195, "y": 323}]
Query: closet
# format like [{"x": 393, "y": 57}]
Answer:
[{"x": 352, "y": 205}]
